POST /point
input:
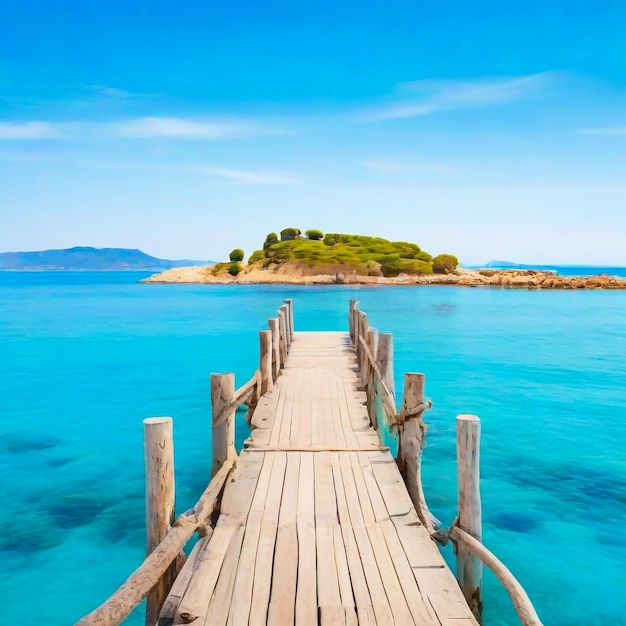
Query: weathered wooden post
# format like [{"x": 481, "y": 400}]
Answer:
[
  {"x": 351, "y": 319},
  {"x": 384, "y": 360},
  {"x": 265, "y": 361},
  {"x": 274, "y": 325},
  {"x": 412, "y": 439},
  {"x": 160, "y": 502},
  {"x": 284, "y": 310},
  {"x": 223, "y": 431},
  {"x": 372, "y": 344},
  {"x": 289, "y": 303},
  {"x": 355, "y": 323},
  {"x": 364, "y": 326},
  {"x": 282, "y": 326},
  {"x": 469, "y": 568}
]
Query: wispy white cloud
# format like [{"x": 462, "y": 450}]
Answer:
[
  {"x": 138, "y": 128},
  {"x": 237, "y": 176},
  {"x": 393, "y": 167},
  {"x": 12, "y": 131},
  {"x": 249, "y": 177},
  {"x": 181, "y": 128},
  {"x": 424, "y": 97},
  {"x": 617, "y": 130},
  {"x": 113, "y": 92}
]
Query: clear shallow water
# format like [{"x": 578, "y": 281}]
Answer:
[{"x": 84, "y": 357}]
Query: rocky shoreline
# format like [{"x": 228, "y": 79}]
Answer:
[{"x": 301, "y": 275}]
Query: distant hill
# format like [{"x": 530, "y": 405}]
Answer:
[{"x": 89, "y": 259}]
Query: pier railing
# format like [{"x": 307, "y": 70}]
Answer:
[
  {"x": 374, "y": 356},
  {"x": 167, "y": 534}
]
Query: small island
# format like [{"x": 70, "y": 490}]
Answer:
[{"x": 313, "y": 257}]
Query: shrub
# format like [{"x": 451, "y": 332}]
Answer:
[
  {"x": 281, "y": 251},
  {"x": 289, "y": 234},
  {"x": 306, "y": 249},
  {"x": 330, "y": 239},
  {"x": 234, "y": 269},
  {"x": 237, "y": 255},
  {"x": 445, "y": 263},
  {"x": 315, "y": 235},
  {"x": 389, "y": 264},
  {"x": 270, "y": 240},
  {"x": 218, "y": 268},
  {"x": 256, "y": 256},
  {"x": 412, "y": 266}
]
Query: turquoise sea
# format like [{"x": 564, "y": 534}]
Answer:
[{"x": 84, "y": 357}]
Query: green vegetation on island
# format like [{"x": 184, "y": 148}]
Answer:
[{"x": 338, "y": 252}]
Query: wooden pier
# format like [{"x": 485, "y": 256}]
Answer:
[{"x": 314, "y": 521}]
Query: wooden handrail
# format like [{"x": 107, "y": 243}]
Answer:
[
  {"x": 241, "y": 396},
  {"x": 387, "y": 398},
  {"x": 137, "y": 586},
  {"x": 523, "y": 606}
]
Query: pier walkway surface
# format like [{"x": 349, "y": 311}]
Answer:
[{"x": 315, "y": 524}]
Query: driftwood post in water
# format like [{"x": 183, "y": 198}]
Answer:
[
  {"x": 223, "y": 433},
  {"x": 265, "y": 361},
  {"x": 412, "y": 442},
  {"x": 160, "y": 497},
  {"x": 469, "y": 568}
]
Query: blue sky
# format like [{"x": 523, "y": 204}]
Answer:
[{"x": 487, "y": 129}]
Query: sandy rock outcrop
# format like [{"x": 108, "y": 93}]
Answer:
[{"x": 300, "y": 274}]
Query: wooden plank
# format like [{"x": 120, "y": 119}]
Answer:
[
  {"x": 289, "y": 392},
  {"x": 170, "y": 606},
  {"x": 236, "y": 501},
  {"x": 344, "y": 413},
  {"x": 284, "y": 577},
  {"x": 281, "y": 388},
  {"x": 329, "y": 596},
  {"x": 378, "y": 595},
  {"x": 434, "y": 579},
  {"x": 361, "y": 594},
  {"x": 306, "y": 589},
  {"x": 419, "y": 606},
  {"x": 265, "y": 411},
  {"x": 302, "y": 416},
  {"x": 267, "y": 540},
  {"x": 384, "y": 562},
  {"x": 339, "y": 427},
  {"x": 219, "y": 606},
  {"x": 244, "y": 578},
  {"x": 343, "y": 576}
]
